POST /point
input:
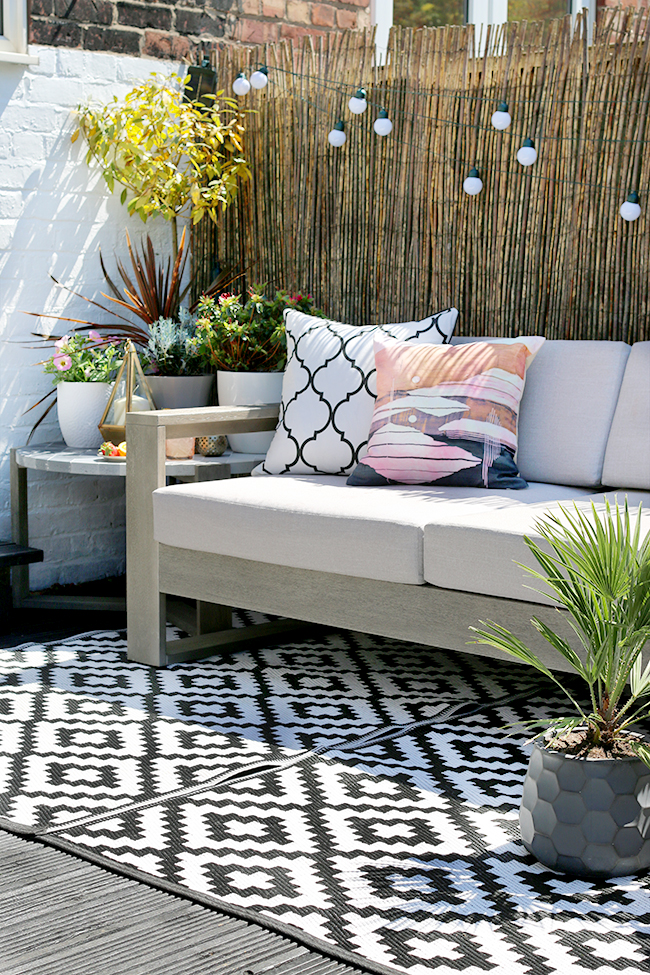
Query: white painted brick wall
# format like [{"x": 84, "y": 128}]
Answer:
[{"x": 54, "y": 214}]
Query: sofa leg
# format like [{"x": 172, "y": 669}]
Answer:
[{"x": 211, "y": 617}]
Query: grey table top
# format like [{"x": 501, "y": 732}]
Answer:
[{"x": 60, "y": 459}]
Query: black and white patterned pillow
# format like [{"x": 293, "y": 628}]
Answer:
[{"x": 329, "y": 390}]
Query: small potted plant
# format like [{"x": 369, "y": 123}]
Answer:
[
  {"x": 586, "y": 800},
  {"x": 82, "y": 368},
  {"x": 179, "y": 371},
  {"x": 244, "y": 341}
]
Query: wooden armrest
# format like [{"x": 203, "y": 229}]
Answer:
[{"x": 207, "y": 421}]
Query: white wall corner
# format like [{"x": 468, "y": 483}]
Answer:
[{"x": 381, "y": 17}]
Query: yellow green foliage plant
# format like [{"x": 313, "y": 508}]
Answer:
[{"x": 172, "y": 157}]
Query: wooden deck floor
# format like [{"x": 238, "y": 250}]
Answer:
[{"x": 60, "y": 915}]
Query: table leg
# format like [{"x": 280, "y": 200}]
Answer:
[{"x": 19, "y": 529}]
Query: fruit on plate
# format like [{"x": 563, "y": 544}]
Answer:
[{"x": 110, "y": 450}]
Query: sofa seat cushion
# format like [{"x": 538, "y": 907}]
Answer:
[
  {"x": 318, "y": 522},
  {"x": 307, "y": 522},
  {"x": 474, "y": 545}
]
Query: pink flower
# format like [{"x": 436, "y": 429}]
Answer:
[
  {"x": 61, "y": 342},
  {"x": 62, "y": 362},
  {"x": 94, "y": 336}
]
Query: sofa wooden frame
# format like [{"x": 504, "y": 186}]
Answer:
[{"x": 422, "y": 614}]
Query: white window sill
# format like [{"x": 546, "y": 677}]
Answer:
[{"x": 12, "y": 57}]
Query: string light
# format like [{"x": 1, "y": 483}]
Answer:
[
  {"x": 383, "y": 125},
  {"x": 337, "y": 136},
  {"x": 630, "y": 210},
  {"x": 473, "y": 184},
  {"x": 241, "y": 85},
  {"x": 358, "y": 103},
  {"x": 260, "y": 78},
  {"x": 527, "y": 155},
  {"x": 501, "y": 118}
]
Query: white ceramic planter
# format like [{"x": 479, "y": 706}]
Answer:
[
  {"x": 80, "y": 407},
  {"x": 180, "y": 392},
  {"x": 249, "y": 389}
]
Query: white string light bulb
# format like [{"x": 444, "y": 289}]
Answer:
[
  {"x": 241, "y": 85},
  {"x": 383, "y": 125},
  {"x": 260, "y": 78},
  {"x": 337, "y": 136},
  {"x": 473, "y": 184},
  {"x": 358, "y": 103},
  {"x": 527, "y": 155},
  {"x": 501, "y": 118},
  {"x": 630, "y": 210}
]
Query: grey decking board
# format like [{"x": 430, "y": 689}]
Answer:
[{"x": 60, "y": 914}]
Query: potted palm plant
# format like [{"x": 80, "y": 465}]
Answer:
[
  {"x": 244, "y": 341},
  {"x": 585, "y": 808}
]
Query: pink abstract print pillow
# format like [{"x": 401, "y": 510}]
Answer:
[{"x": 447, "y": 414}]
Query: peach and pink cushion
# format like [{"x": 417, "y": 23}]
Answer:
[{"x": 447, "y": 414}]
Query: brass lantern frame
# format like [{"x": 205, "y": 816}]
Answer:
[{"x": 130, "y": 368}]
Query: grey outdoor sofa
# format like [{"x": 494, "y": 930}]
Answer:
[{"x": 413, "y": 563}]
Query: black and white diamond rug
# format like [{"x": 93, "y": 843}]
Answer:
[{"x": 358, "y": 790}]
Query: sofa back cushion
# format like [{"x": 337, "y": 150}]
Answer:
[
  {"x": 567, "y": 409},
  {"x": 627, "y": 457}
]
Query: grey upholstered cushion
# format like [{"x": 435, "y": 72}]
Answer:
[
  {"x": 567, "y": 409},
  {"x": 308, "y": 522},
  {"x": 318, "y": 522},
  {"x": 473, "y": 544},
  {"x": 627, "y": 457}
]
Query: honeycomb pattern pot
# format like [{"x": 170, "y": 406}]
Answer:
[{"x": 587, "y": 817}]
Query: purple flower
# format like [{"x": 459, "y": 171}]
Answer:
[{"x": 94, "y": 336}]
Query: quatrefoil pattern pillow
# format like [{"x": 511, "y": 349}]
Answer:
[{"x": 329, "y": 390}]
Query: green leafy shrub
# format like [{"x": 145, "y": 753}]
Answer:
[
  {"x": 172, "y": 157},
  {"x": 247, "y": 336}
]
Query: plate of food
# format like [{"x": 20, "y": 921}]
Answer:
[{"x": 108, "y": 451}]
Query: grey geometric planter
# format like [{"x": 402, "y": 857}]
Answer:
[{"x": 587, "y": 817}]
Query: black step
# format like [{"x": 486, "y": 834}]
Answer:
[{"x": 13, "y": 554}]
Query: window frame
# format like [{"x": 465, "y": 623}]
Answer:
[
  {"x": 484, "y": 12},
  {"x": 13, "y": 40}
]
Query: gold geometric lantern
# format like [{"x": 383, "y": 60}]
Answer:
[{"x": 130, "y": 393}]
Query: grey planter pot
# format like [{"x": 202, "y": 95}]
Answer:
[
  {"x": 179, "y": 392},
  {"x": 587, "y": 817}
]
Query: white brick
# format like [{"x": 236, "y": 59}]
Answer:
[
  {"x": 28, "y": 145},
  {"x": 42, "y": 91},
  {"x": 47, "y": 61},
  {"x": 11, "y": 204}
]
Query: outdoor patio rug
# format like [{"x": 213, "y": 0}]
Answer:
[{"x": 356, "y": 793}]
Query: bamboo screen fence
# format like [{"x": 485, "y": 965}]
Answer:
[{"x": 381, "y": 230}]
